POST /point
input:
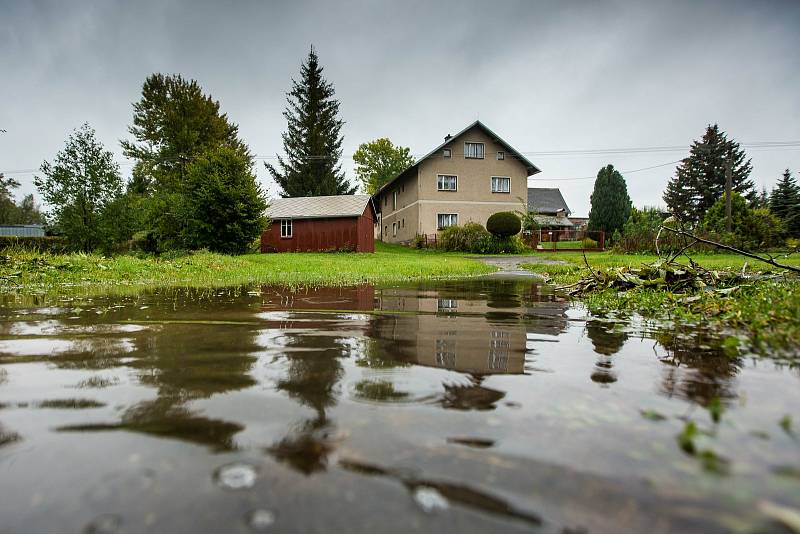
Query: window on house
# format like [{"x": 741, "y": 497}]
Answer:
[
  {"x": 501, "y": 184},
  {"x": 394, "y": 229},
  {"x": 447, "y": 183},
  {"x": 447, "y": 153},
  {"x": 394, "y": 200},
  {"x": 501, "y": 155},
  {"x": 447, "y": 305},
  {"x": 386, "y": 229},
  {"x": 473, "y": 150},
  {"x": 403, "y": 223},
  {"x": 443, "y": 220},
  {"x": 286, "y": 228}
]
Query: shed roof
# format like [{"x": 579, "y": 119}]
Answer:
[
  {"x": 546, "y": 200},
  {"x": 318, "y": 207},
  {"x": 547, "y": 221}
]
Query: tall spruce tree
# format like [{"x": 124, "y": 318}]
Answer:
[
  {"x": 785, "y": 202},
  {"x": 610, "y": 203},
  {"x": 312, "y": 142},
  {"x": 700, "y": 178}
]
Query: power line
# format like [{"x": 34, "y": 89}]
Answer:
[
  {"x": 757, "y": 146},
  {"x": 623, "y": 172}
]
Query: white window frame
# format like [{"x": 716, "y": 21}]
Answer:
[
  {"x": 499, "y": 180},
  {"x": 452, "y": 219},
  {"x": 447, "y": 153},
  {"x": 501, "y": 155},
  {"x": 286, "y": 229},
  {"x": 440, "y": 185},
  {"x": 394, "y": 200},
  {"x": 468, "y": 153}
]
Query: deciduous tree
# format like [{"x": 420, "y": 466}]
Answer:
[
  {"x": 80, "y": 185},
  {"x": 379, "y": 161},
  {"x": 223, "y": 204}
]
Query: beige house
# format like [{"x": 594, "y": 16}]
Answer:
[{"x": 469, "y": 177}]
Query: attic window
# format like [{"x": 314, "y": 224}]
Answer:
[
  {"x": 501, "y": 155},
  {"x": 447, "y": 153},
  {"x": 473, "y": 150}
]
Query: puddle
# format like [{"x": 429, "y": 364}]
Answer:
[{"x": 458, "y": 406}]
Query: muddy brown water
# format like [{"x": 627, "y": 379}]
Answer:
[{"x": 461, "y": 406}]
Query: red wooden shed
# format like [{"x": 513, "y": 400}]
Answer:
[{"x": 304, "y": 224}]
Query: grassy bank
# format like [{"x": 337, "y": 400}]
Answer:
[
  {"x": 32, "y": 272},
  {"x": 767, "y": 311}
]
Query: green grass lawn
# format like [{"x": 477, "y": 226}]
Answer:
[
  {"x": 766, "y": 311},
  {"x": 31, "y": 272}
]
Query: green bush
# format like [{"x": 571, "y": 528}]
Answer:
[
  {"x": 504, "y": 224},
  {"x": 750, "y": 228},
  {"x": 500, "y": 245},
  {"x": 54, "y": 245},
  {"x": 465, "y": 238}
]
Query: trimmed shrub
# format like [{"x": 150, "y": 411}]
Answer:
[{"x": 504, "y": 224}]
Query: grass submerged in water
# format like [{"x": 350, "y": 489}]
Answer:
[
  {"x": 27, "y": 272},
  {"x": 766, "y": 311}
]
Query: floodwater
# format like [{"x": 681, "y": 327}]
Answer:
[{"x": 464, "y": 406}]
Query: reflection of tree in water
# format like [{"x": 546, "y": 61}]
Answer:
[
  {"x": 184, "y": 363},
  {"x": 470, "y": 397},
  {"x": 311, "y": 380},
  {"x": 607, "y": 341},
  {"x": 696, "y": 371}
]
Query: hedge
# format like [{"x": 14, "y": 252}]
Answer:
[{"x": 54, "y": 245}]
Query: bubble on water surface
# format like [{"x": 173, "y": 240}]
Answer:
[
  {"x": 104, "y": 523},
  {"x": 260, "y": 519},
  {"x": 430, "y": 500},
  {"x": 236, "y": 476}
]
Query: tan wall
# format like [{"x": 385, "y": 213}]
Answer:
[
  {"x": 406, "y": 216},
  {"x": 473, "y": 201}
]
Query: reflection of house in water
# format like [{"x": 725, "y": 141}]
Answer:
[{"x": 359, "y": 298}]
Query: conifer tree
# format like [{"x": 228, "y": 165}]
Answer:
[
  {"x": 610, "y": 203},
  {"x": 785, "y": 202},
  {"x": 700, "y": 178},
  {"x": 312, "y": 142}
]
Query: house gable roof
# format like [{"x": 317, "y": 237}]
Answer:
[
  {"x": 546, "y": 200},
  {"x": 529, "y": 167},
  {"x": 319, "y": 207}
]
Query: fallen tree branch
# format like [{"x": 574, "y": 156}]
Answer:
[{"x": 770, "y": 260}]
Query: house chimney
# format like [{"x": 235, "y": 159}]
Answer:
[{"x": 447, "y": 137}]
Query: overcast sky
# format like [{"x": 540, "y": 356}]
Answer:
[{"x": 545, "y": 76}]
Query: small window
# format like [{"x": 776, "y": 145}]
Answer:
[
  {"x": 447, "y": 183},
  {"x": 286, "y": 228},
  {"x": 501, "y": 184},
  {"x": 386, "y": 229},
  {"x": 394, "y": 200},
  {"x": 443, "y": 220},
  {"x": 403, "y": 223},
  {"x": 473, "y": 150},
  {"x": 446, "y": 305},
  {"x": 447, "y": 153},
  {"x": 501, "y": 155},
  {"x": 394, "y": 229}
]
